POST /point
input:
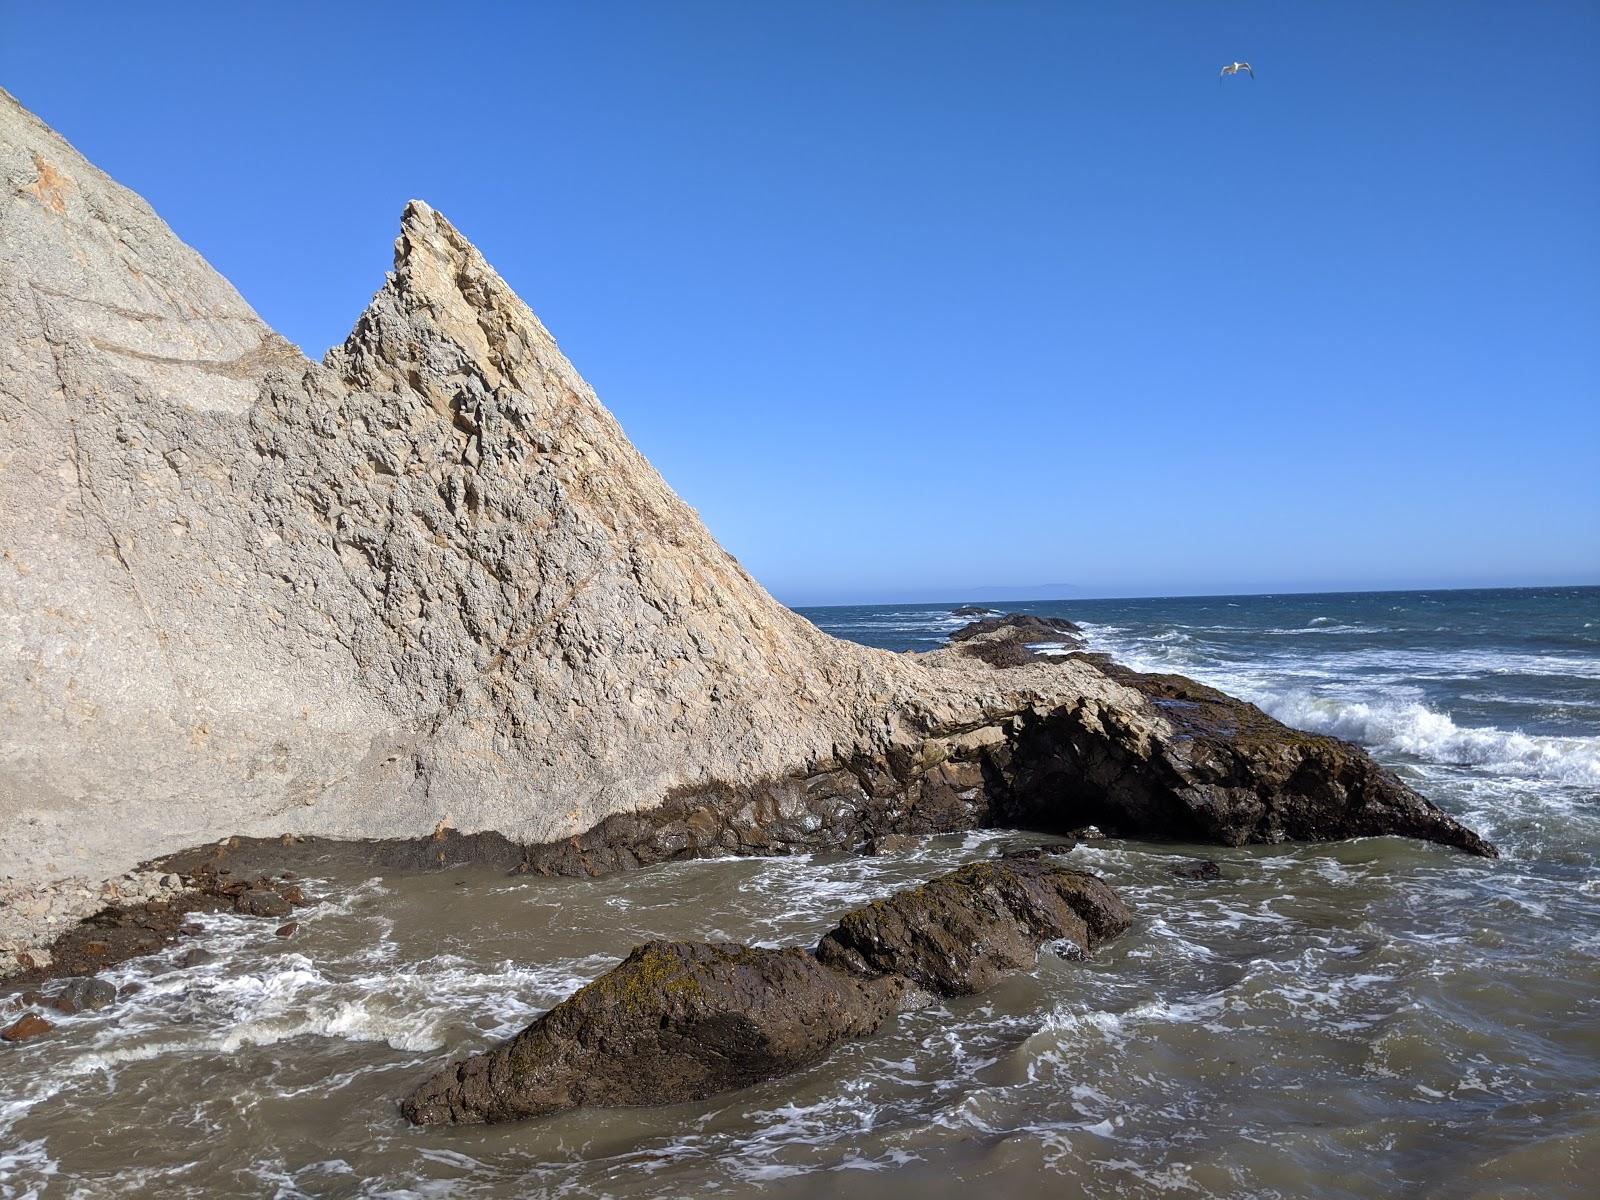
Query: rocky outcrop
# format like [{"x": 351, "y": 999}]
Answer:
[
  {"x": 1008, "y": 640},
  {"x": 84, "y": 995},
  {"x": 680, "y": 1021},
  {"x": 1191, "y": 763},
  {"x": 135, "y": 923},
  {"x": 959, "y": 934},
  {"x": 427, "y": 583},
  {"x": 676, "y": 1021},
  {"x": 25, "y": 1028}
]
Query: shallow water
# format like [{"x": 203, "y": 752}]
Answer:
[{"x": 1364, "y": 1019}]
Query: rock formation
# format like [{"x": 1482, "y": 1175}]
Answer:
[
  {"x": 1008, "y": 641},
  {"x": 425, "y": 584},
  {"x": 959, "y": 934},
  {"x": 680, "y": 1021}
]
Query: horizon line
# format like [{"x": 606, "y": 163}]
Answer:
[{"x": 1384, "y": 591}]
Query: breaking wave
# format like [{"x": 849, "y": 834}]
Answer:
[{"x": 1414, "y": 729}]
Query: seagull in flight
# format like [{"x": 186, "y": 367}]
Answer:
[{"x": 1234, "y": 68}]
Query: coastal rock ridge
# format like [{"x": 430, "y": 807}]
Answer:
[
  {"x": 428, "y": 585},
  {"x": 679, "y": 1021}
]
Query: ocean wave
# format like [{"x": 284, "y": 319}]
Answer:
[{"x": 1415, "y": 729}]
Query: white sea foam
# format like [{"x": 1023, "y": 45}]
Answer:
[
  {"x": 30, "y": 1157},
  {"x": 1398, "y": 723},
  {"x": 1415, "y": 729}
]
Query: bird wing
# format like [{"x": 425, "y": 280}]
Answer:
[
  {"x": 1228, "y": 70},
  {"x": 1249, "y": 68}
]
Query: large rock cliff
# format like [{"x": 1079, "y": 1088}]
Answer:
[{"x": 425, "y": 583}]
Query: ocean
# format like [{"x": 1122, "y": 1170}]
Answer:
[{"x": 1361, "y": 1019}]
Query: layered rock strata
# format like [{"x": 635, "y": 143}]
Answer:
[
  {"x": 429, "y": 583},
  {"x": 680, "y": 1021}
]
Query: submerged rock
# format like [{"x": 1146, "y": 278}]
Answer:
[
  {"x": 30, "y": 1025},
  {"x": 676, "y": 1021},
  {"x": 1200, "y": 871},
  {"x": 960, "y": 933},
  {"x": 680, "y": 1021},
  {"x": 84, "y": 995}
]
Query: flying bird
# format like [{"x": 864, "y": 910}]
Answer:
[{"x": 1234, "y": 68}]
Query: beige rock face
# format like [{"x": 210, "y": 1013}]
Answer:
[{"x": 428, "y": 581}]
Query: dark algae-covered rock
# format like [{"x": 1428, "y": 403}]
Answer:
[
  {"x": 1020, "y": 625},
  {"x": 1191, "y": 763},
  {"x": 958, "y": 934},
  {"x": 676, "y": 1021},
  {"x": 679, "y": 1021}
]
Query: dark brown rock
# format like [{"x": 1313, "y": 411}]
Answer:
[
  {"x": 84, "y": 995},
  {"x": 680, "y": 1021},
  {"x": 1194, "y": 764},
  {"x": 288, "y": 930},
  {"x": 1200, "y": 871},
  {"x": 262, "y": 902},
  {"x": 31, "y": 1025},
  {"x": 675, "y": 1021},
  {"x": 196, "y": 958},
  {"x": 958, "y": 934}
]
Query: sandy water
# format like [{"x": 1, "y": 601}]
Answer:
[{"x": 1374, "y": 1018}]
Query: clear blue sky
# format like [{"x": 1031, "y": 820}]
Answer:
[{"x": 914, "y": 298}]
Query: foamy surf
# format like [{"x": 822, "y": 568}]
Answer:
[{"x": 1416, "y": 730}]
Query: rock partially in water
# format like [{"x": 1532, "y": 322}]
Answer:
[
  {"x": 891, "y": 843},
  {"x": 959, "y": 934},
  {"x": 1201, "y": 870},
  {"x": 84, "y": 995},
  {"x": 1006, "y": 640},
  {"x": 30, "y": 1025},
  {"x": 680, "y": 1021},
  {"x": 972, "y": 610},
  {"x": 676, "y": 1021},
  {"x": 1190, "y": 763},
  {"x": 262, "y": 902}
]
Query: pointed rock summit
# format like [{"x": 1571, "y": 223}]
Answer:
[{"x": 427, "y": 584}]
